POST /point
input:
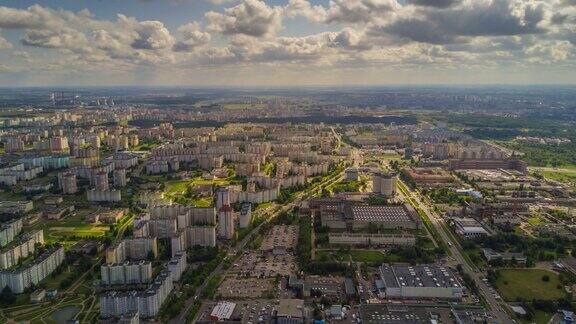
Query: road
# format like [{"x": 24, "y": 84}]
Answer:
[
  {"x": 181, "y": 318},
  {"x": 494, "y": 304}
]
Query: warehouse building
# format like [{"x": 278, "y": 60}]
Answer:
[{"x": 421, "y": 281}]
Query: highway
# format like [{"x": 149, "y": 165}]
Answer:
[{"x": 499, "y": 313}]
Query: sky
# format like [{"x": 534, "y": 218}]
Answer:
[{"x": 286, "y": 42}]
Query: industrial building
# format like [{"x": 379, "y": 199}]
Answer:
[
  {"x": 419, "y": 281},
  {"x": 468, "y": 227}
]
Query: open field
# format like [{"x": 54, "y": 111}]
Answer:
[
  {"x": 368, "y": 256},
  {"x": 565, "y": 176},
  {"x": 71, "y": 229},
  {"x": 528, "y": 284},
  {"x": 179, "y": 186},
  {"x": 176, "y": 189}
]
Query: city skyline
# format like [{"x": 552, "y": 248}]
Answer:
[{"x": 287, "y": 42}]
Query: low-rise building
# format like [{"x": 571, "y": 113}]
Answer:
[
  {"x": 420, "y": 281},
  {"x": 222, "y": 311},
  {"x": 468, "y": 227},
  {"x": 366, "y": 239}
]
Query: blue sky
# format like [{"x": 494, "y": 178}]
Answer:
[{"x": 287, "y": 42}]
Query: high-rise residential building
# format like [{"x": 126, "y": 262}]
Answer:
[
  {"x": 384, "y": 184},
  {"x": 222, "y": 198},
  {"x": 59, "y": 144},
  {"x": 100, "y": 181},
  {"x": 13, "y": 145},
  {"x": 119, "y": 176},
  {"x": 67, "y": 182},
  {"x": 126, "y": 273},
  {"x": 32, "y": 273},
  {"x": 226, "y": 226}
]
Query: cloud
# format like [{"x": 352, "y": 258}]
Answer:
[
  {"x": 434, "y": 3},
  {"x": 4, "y": 44},
  {"x": 150, "y": 35},
  {"x": 362, "y": 33},
  {"x": 193, "y": 37},
  {"x": 359, "y": 11},
  {"x": 251, "y": 18},
  {"x": 303, "y": 8},
  {"x": 65, "y": 38},
  {"x": 38, "y": 17},
  {"x": 549, "y": 52},
  {"x": 473, "y": 19}
]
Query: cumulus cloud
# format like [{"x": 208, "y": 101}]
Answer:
[
  {"x": 193, "y": 37},
  {"x": 475, "y": 18},
  {"x": 362, "y": 33},
  {"x": 66, "y": 38},
  {"x": 251, "y": 18},
  {"x": 150, "y": 35},
  {"x": 359, "y": 11},
  {"x": 303, "y": 8}
]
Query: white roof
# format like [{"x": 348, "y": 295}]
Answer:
[{"x": 223, "y": 310}]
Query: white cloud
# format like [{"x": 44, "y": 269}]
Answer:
[
  {"x": 446, "y": 33},
  {"x": 193, "y": 37},
  {"x": 251, "y": 18}
]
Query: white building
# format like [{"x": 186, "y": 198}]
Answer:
[
  {"x": 126, "y": 273},
  {"x": 32, "y": 274},
  {"x": 421, "y": 281},
  {"x": 22, "y": 249}
]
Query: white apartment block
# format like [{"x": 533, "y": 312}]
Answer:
[
  {"x": 137, "y": 248},
  {"x": 146, "y": 303},
  {"x": 22, "y": 249},
  {"x": 9, "y": 231},
  {"x": 20, "y": 279},
  {"x": 126, "y": 273}
]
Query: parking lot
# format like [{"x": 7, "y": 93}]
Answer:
[
  {"x": 236, "y": 287},
  {"x": 256, "y": 264},
  {"x": 248, "y": 312}
]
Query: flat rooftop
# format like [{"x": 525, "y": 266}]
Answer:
[
  {"x": 380, "y": 213},
  {"x": 395, "y": 276}
]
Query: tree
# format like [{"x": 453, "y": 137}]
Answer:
[{"x": 7, "y": 297}]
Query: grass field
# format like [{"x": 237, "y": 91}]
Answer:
[
  {"x": 368, "y": 256},
  {"x": 71, "y": 229},
  {"x": 179, "y": 186},
  {"x": 527, "y": 284},
  {"x": 561, "y": 176},
  {"x": 534, "y": 220},
  {"x": 176, "y": 188}
]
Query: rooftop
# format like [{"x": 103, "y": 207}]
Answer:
[{"x": 395, "y": 276}]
